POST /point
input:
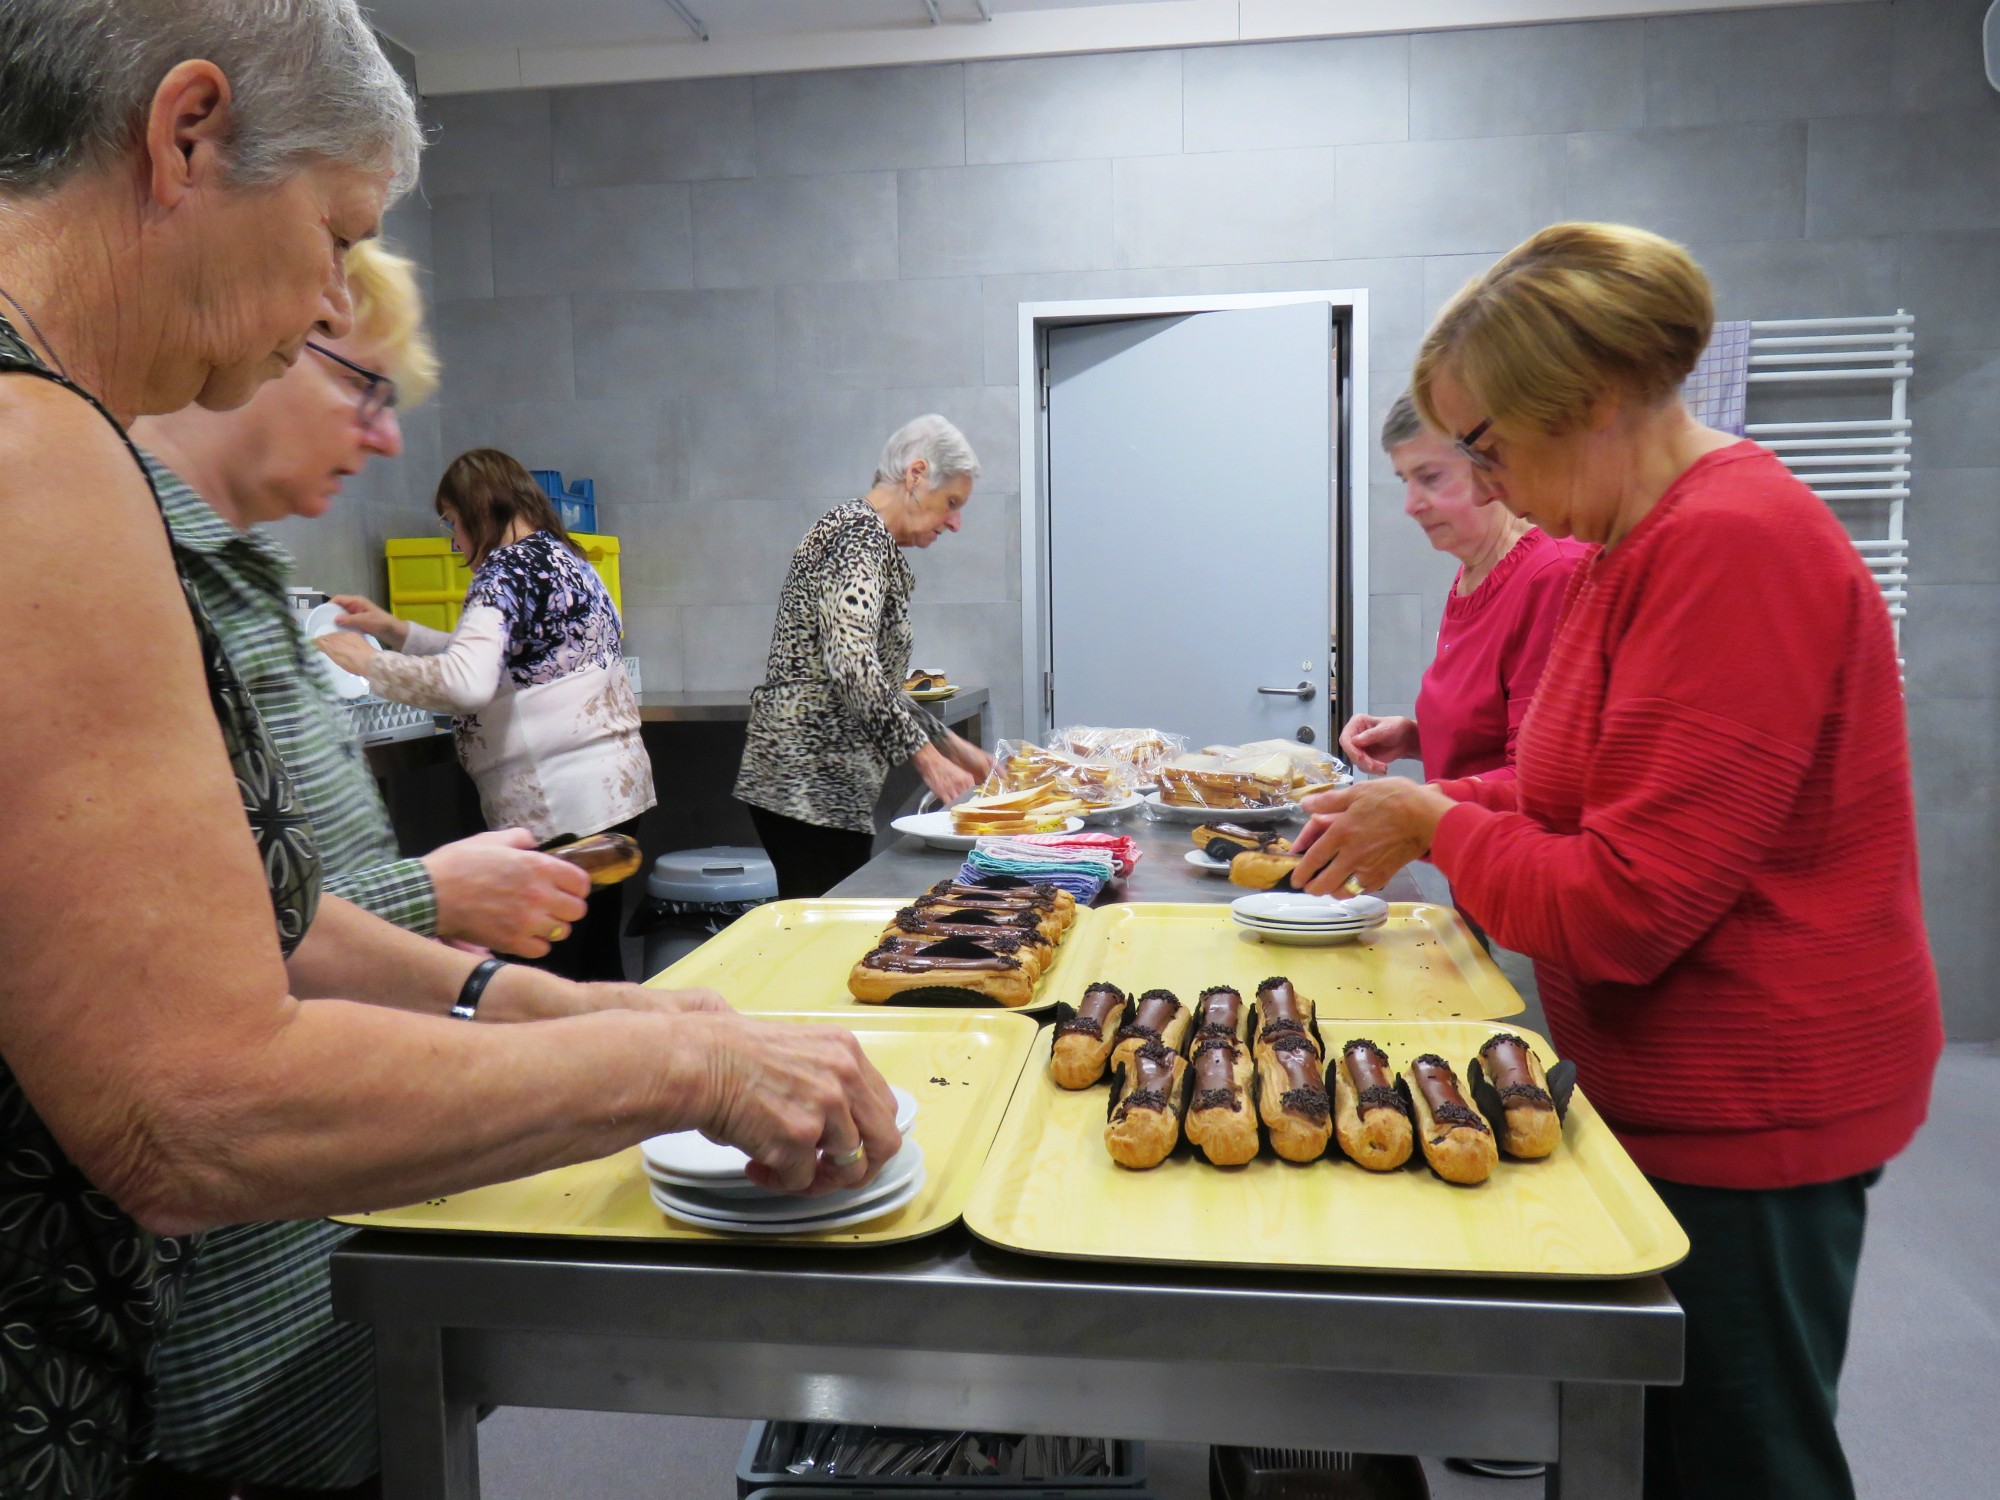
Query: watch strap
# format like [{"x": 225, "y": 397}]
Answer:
[{"x": 466, "y": 1007}]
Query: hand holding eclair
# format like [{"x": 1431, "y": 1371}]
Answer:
[{"x": 1366, "y": 832}]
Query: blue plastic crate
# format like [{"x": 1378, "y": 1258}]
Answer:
[{"x": 575, "y": 502}]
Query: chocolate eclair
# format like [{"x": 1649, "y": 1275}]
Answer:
[
  {"x": 1292, "y": 1096},
  {"x": 1456, "y": 1142},
  {"x": 1148, "y": 1093},
  {"x": 1371, "y": 1116},
  {"x": 1513, "y": 1090},
  {"x": 1280, "y": 1008},
  {"x": 1224, "y": 841},
  {"x": 952, "y": 963},
  {"x": 1082, "y": 1043}
]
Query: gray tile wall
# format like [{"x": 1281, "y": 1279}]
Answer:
[{"x": 717, "y": 297}]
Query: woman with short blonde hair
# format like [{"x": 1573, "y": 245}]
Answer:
[{"x": 1710, "y": 847}]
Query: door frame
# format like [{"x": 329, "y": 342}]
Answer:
[{"x": 1347, "y": 631}]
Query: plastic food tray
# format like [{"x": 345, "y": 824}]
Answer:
[
  {"x": 961, "y": 1065},
  {"x": 1050, "y": 1188}
]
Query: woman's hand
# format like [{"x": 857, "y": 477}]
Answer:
[
  {"x": 1368, "y": 831},
  {"x": 975, "y": 760},
  {"x": 1372, "y": 743},
  {"x": 497, "y": 891},
  {"x": 659, "y": 1002},
  {"x": 350, "y": 652},
  {"x": 947, "y": 779},
  {"x": 797, "y": 1099},
  {"x": 368, "y": 617}
]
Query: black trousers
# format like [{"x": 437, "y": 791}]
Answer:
[
  {"x": 591, "y": 952},
  {"x": 1768, "y": 1287},
  {"x": 810, "y": 860}
]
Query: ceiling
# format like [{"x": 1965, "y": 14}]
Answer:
[{"x": 468, "y": 45}]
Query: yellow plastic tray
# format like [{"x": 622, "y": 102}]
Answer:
[
  {"x": 961, "y": 1065},
  {"x": 1050, "y": 1188},
  {"x": 795, "y": 956},
  {"x": 1422, "y": 965}
]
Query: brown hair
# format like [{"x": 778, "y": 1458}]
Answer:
[
  {"x": 1576, "y": 312},
  {"x": 488, "y": 491}
]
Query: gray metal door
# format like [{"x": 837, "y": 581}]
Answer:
[{"x": 1191, "y": 558}]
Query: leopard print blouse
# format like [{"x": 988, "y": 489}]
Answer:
[{"x": 831, "y": 718}]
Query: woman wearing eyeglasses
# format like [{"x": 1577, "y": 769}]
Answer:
[
  {"x": 1498, "y": 620},
  {"x": 548, "y": 728},
  {"x": 1710, "y": 847}
]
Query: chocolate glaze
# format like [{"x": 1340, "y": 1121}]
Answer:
[
  {"x": 1219, "y": 1010},
  {"x": 1101, "y": 1003},
  {"x": 1381, "y": 1098},
  {"x": 1367, "y": 1065},
  {"x": 1506, "y": 1059},
  {"x": 1434, "y": 1076},
  {"x": 927, "y": 919},
  {"x": 1279, "y": 1007},
  {"x": 1150, "y": 1016},
  {"x": 1295, "y": 1055},
  {"x": 1151, "y": 1078},
  {"x": 953, "y": 955},
  {"x": 1215, "y": 1083}
]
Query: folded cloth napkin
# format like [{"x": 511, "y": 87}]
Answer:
[
  {"x": 1124, "y": 851},
  {"x": 1083, "y": 871}
]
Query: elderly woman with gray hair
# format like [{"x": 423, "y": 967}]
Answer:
[
  {"x": 831, "y": 717},
  {"x": 180, "y": 1043}
]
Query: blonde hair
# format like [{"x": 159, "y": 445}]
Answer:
[
  {"x": 1575, "y": 312},
  {"x": 389, "y": 313}
]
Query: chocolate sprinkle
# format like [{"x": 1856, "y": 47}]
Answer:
[
  {"x": 1506, "y": 1036},
  {"x": 1292, "y": 1040},
  {"x": 1220, "y": 989},
  {"x": 1526, "y": 1093},
  {"x": 1208, "y": 1041},
  {"x": 1449, "y": 1116},
  {"x": 1381, "y": 1057},
  {"x": 1159, "y": 995},
  {"x": 1081, "y": 1026},
  {"x": 1218, "y": 1099},
  {"x": 1143, "y": 1099},
  {"x": 1381, "y": 1098},
  {"x": 1435, "y": 1061},
  {"x": 1272, "y": 983},
  {"x": 1125, "y": 1033},
  {"x": 1309, "y": 1103},
  {"x": 1102, "y": 985},
  {"x": 1157, "y": 1052},
  {"x": 1283, "y": 1027}
]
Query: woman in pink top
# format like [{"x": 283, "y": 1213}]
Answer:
[{"x": 1497, "y": 624}]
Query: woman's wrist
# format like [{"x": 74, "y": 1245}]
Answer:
[{"x": 396, "y": 634}]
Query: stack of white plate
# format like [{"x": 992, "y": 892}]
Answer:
[
  {"x": 1308, "y": 921},
  {"x": 693, "y": 1179}
]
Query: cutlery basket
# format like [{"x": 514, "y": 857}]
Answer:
[{"x": 1028, "y": 1467}]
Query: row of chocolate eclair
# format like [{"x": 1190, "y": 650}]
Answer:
[
  {"x": 1219, "y": 1068},
  {"x": 996, "y": 940}
]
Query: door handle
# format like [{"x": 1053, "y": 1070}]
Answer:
[{"x": 1304, "y": 692}]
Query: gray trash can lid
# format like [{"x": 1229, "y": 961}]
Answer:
[{"x": 723, "y": 873}]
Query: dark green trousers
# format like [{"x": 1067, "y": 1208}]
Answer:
[{"x": 1767, "y": 1288}]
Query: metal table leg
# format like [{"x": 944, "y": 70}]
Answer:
[
  {"x": 1602, "y": 1439},
  {"x": 430, "y": 1439}
]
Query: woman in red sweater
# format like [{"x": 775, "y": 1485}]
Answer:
[
  {"x": 1494, "y": 638},
  {"x": 1710, "y": 849}
]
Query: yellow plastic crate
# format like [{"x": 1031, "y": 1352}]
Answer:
[{"x": 427, "y": 580}]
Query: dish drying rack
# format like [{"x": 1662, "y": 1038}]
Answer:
[
  {"x": 1859, "y": 465},
  {"x": 377, "y": 721}
]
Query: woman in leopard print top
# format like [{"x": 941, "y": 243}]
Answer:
[{"x": 831, "y": 719}]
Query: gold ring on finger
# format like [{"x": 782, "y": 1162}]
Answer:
[{"x": 849, "y": 1158}]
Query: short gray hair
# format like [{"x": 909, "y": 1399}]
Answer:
[
  {"x": 307, "y": 80},
  {"x": 1402, "y": 425},
  {"x": 942, "y": 447}
]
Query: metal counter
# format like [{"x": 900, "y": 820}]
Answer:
[{"x": 949, "y": 1333}]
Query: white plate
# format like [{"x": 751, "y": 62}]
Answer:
[
  {"x": 1295, "y": 908},
  {"x": 689, "y": 1156},
  {"x": 937, "y": 695},
  {"x": 935, "y": 829},
  {"x": 344, "y": 683},
  {"x": 1112, "y": 810},
  {"x": 1201, "y": 860},
  {"x": 1299, "y": 937},
  {"x": 901, "y": 1198},
  {"x": 1166, "y": 811},
  {"x": 791, "y": 1207}
]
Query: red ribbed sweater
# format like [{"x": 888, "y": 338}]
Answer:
[{"x": 1710, "y": 852}]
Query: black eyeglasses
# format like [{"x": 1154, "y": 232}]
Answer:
[
  {"x": 1484, "y": 462},
  {"x": 378, "y": 394}
]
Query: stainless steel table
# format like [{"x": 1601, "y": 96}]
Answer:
[{"x": 949, "y": 1333}]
